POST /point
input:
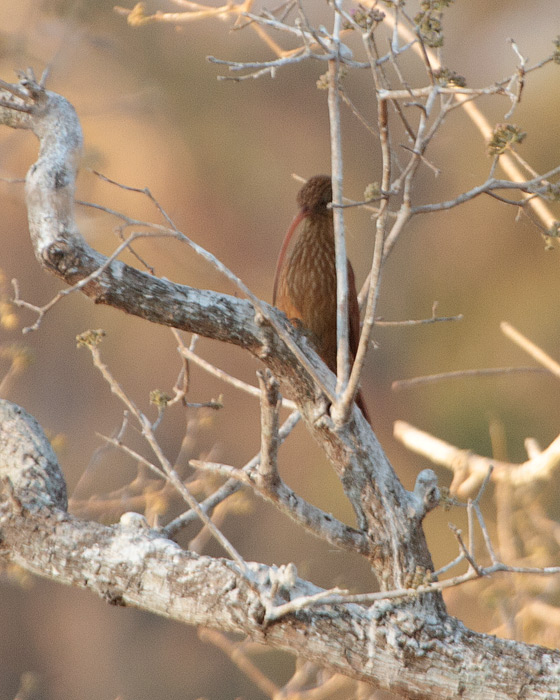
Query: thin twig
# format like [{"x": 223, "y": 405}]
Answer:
[
  {"x": 261, "y": 308},
  {"x": 344, "y": 405},
  {"x": 488, "y": 187},
  {"x": 41, "y": 311},
  {"x": 483, "y": 125},
  {"x": 470, "y": 526},
  {"x": 343, "y": 353},
  {"x": 224, "y": 376},
  {"x": 400, "y": 384},
  {"x": 417, "y": 322},
  {"x": 316, "y": 600},
  {"x": 459, "y": 535},
  {"x": 530, "y": 348},
  {"x": 231, "y": 486},
  {"x": 241, "y": 660},
  {"x": 92, "y": 342},
  {"x": 485, "y": 535}
]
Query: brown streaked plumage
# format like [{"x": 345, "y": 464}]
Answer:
[{"x": 305, "y": 281}]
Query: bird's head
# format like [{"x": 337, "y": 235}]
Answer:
[{"x": 315, "y": 195}]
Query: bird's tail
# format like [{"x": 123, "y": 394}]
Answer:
[{"x": 362, "y": 406}]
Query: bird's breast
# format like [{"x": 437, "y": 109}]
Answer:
[{"x": 307, "y": 289}]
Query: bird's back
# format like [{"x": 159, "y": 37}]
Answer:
[{"x": 307, "y": 286}]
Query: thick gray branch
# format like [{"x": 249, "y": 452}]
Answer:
[
  {"x": 384, "y": 509},
  {"x": 419, "y": 656}
]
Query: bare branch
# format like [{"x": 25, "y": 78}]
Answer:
[
  {"x": 313, "y": 519},
  {"x": 351, "y": 388},
  {"x": 91, "y": 340},
  {"x": 530, "y": 348},
  {"x": 465, "y": 551},
  {"x": 420, "y": 322},
  {"x": 241, "y": 660},
  {"x": 400, "y": 384},
  {"x": 482, "y": 124},
  {"x": 367, "y": 476},
  {"x": 137, "y": 17},
  {"x": 470, "y": 469},
  {"x": 262, "y": 313},
  {"x": 224, "y": 376},
  {"x": 489, "y": 187},
  {"x": 270, "y": 397},
  {"x": 42, "y": 311},
  {"x": 231, "y": 486},
  {"x": 342, "y": 329}
]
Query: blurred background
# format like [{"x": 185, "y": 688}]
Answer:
[{"x": 219, "y": 157}]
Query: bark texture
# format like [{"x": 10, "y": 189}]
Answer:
[
  {"x": 385, "y": 511},
  {"x": 413, "y": 647},
  {"x": 412, "y": 652}
]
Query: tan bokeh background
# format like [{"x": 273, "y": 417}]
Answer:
[{"x": 219, "y": 156}]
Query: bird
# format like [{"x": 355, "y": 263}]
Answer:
[{"x": 305, "y": 280}]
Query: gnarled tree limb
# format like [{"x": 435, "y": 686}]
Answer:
[
  {"x": 385, "y": 511},
  {"x": 413, "y": 652}
]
